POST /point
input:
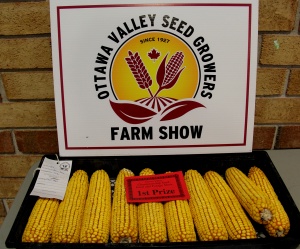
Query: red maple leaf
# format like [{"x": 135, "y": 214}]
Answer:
[{"x": 153, "y": 54}]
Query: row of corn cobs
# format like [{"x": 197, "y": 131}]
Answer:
[{"x": 214, "y": 211}]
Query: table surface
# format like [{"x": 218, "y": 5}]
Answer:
[{"x": 287, "y": 163}]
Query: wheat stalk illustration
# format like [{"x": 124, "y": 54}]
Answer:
[{"x": 139, "y": 71}]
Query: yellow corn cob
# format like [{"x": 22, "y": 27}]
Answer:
[
  {"x": 124, "y": 222},
  {"x": 96, "y": 218},
  {"x": 207, "y": 219},
  {"x": 179, "y": 220},
  {"x": 40, "y": 222},
  {"x": 255, "y": 202},
  {"x": 279, "y": 226},
  {"x": 151, "y": 217},
  {"x": 68, "y": 220},
  {"x": 235, "y": 219}
]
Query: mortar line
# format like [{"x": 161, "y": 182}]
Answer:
[
  {"x": 275, "y": 32},
  {"x": 297, "y": 20},
  {"x": 2, "y": 91},
  {"x": 276, "y": 96},
  {"x": 286, "y": 83},
  {"x": 278, "y": 66},
  {"x": 275, "y": 124},
  {"x": 25, "y": 70},
  {"x": 5, "y": 205},
  {"x": 275, "y": 136},
  {"x": 24, "y": 36},
  {"x": 259, "y": 44},
  {"x": 17, "y": 151}
]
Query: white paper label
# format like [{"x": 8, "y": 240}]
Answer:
[{"x": 53, "y": 179}]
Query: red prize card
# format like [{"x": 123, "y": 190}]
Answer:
[{"x": 156, "y": 188}]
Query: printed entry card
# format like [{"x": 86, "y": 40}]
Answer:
[
  {"x": 53, "y": 179},
  {"x": 166, "y": 77}
]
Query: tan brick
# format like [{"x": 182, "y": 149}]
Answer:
[
  {"x": 6, "y": 143},
  {"x": 9, "y": 187},
  {"x": 16, "y": 166},
  {"x": 2, "y": 209},
  {"x": 28, "y": 85},
  {"x": 43, "y": 142},
  {"x": 277, "y": 15},
  {"x": 263, "y": 137},
  {"x": 280, "y": 50},
  {"x": 25, "y": 53},
  {"x": 270, "y": 81},
  {"x": 294, "y": 83},
  {"x": 1, "y": 220},
  {"x": 277, "y": 110},
  {"x": 27, "y": 114},
  {"x": 24, "y": 18},
  {"x": 288, "y": 137}
]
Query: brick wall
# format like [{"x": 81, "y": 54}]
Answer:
[{"x": 27, "y": 123}]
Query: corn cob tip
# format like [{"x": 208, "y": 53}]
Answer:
[
  {"x": 146, "y": 171},
  {"x": 127, "y": 171},
  {"x": 266, "y": 214},
  {"x": 125, "y": 240}
]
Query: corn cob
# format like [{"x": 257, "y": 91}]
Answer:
[
  {"x": 172, "y": 67},
  {"x": 207, "y": 219},
  {"x": 151, "y": 217},
  {"x": 96, "y": 219},
  {"x": 236, "y": 221},
  {"x": 255, "y": 202},
  {"x": 68, "y": 220},
  {"x": 40, "y": 222},
  {"x": 179, "y": 221},
  {"x": 124, "y": 222},
  {"x": 279, "y": 226}
]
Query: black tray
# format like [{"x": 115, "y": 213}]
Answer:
[{"x": 161, "y": 164}]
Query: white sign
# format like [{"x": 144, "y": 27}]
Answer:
[{"x": 166, "y": 77}]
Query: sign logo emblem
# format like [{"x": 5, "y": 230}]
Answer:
[
  {"x": 65, "y": 166},
  {"x": 154, "y": 74}
]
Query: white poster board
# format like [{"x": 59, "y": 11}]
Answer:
[{"x": 158, "y": 77}]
